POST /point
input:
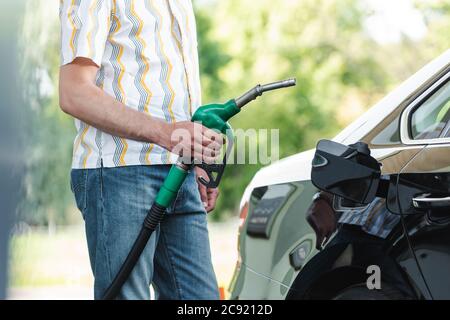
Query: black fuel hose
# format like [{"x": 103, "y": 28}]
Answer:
[{"x": 151, "y": 222}]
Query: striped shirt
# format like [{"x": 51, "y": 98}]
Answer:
[
  {"x": 375, "y": 219},
  {"x": 147, "y": 55}
]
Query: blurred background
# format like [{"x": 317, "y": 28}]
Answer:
[{"x": 345, "y": 54}]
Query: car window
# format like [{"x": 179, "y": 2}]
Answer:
[
  {"x": 446, "y": 132},
  {"x": 430, "y": 120},
  {"x": 390, "y": 135}
]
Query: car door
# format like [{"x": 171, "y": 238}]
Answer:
[{"x": 421, "y": 190}]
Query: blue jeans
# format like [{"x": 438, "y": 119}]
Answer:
[{"x": 177, "y": 258}]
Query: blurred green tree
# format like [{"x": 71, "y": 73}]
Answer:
[
  {"x": 436, "y": 15},
  {"x": 47, "y": 196}
]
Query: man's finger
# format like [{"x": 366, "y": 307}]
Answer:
[
  {"x": 212, "y": 198},
  {"x": 207, "y": 155},
  {"x": 212, "y": 135},
  {"x": 205, "y": 159},
  {"x": 213, "y": 190},
  {"x": 211, "y": 144}
]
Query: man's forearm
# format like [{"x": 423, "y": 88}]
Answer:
[
  {"x": 81, "y": 98},
  {"x": 93, "y": 106}
]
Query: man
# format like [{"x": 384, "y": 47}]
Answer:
[{"x": 130, "y": 77}]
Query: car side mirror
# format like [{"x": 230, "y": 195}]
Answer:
[{"x": 346, "y": 171}]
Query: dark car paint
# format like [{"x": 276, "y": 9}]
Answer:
[
  {"x": 342, "y": 265},
  {"x": 429, "y": 172}
]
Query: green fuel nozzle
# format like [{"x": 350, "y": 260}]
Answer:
[
  {"x": 212, "y": 116},
  {"x": 215, "y": 116}
]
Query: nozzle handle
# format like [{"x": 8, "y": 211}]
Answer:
[{"x": 260, "y": 89}]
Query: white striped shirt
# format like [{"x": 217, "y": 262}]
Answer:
[{"x": 148, "y": 59}]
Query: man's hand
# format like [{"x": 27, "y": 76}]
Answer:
[
  {"x": 322, "y": 219},
  {"x": 208, "y": 195},
  {"x": 192, "y": 141}
]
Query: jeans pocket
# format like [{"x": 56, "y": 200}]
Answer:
[
  {"x": 188, "y": 198},
  {"x": 78, "y": 181}
]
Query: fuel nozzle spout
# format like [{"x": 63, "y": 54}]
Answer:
[{"x": 260, "y": 89}]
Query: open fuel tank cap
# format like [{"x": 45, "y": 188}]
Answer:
[{"x": 346, "y": 171}]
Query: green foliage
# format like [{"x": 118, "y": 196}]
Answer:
[
  {"x": 47, "y": 196},
  {"x": 436, "y": 14},
  {"x": 213, "y": 57},
  {"x": 323, "y": 43}
]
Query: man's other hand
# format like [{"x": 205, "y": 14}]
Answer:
[{"x": 208, "y": 195}]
